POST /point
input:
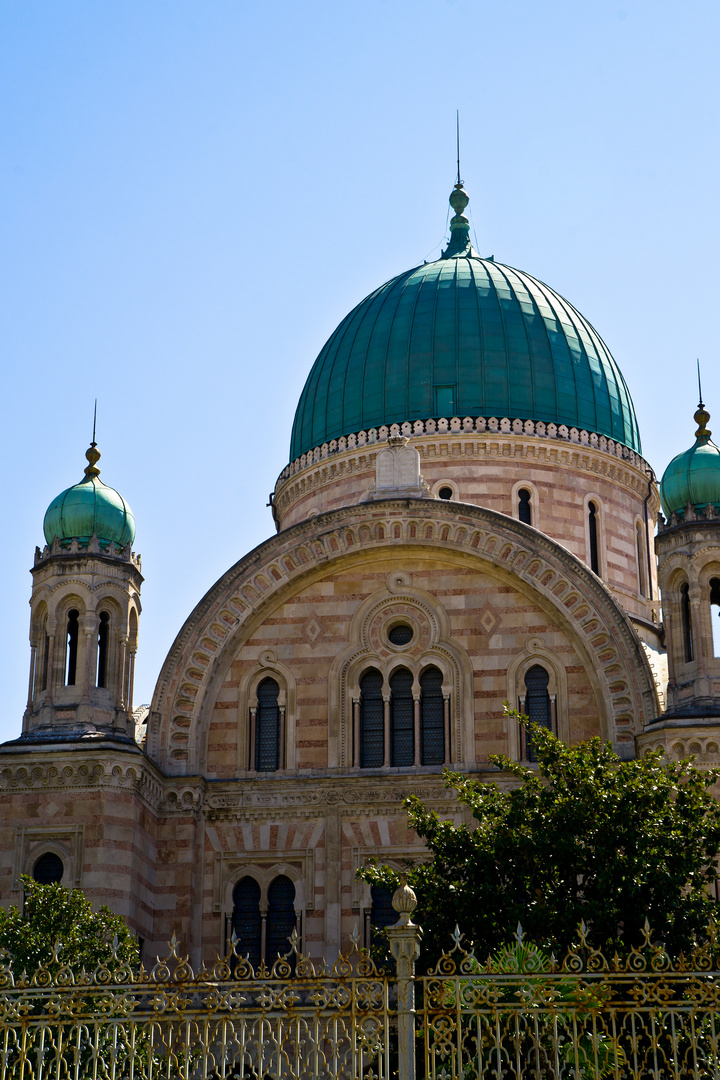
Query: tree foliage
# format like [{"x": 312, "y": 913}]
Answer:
[
  {"x": 52, "y": 915},
  {"x": 585, "y": 837}
]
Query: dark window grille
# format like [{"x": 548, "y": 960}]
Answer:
[
  {"x": 280, "y": 918},
  {"x": 372, "y": 720},
  {"x": 400, "y": 635},
  {"x": 688, "y": 650},
  {"x": 593, "y": 531},
  {"x": 246, "y": 921},
  {"x": 402, "y": 721},
  {"x": 432, "y": 718},
  {"x": 382, "y": 913},
  {"x": 102, "y": 653},
  {"x": 537, "y": 704},
  {"x": 73, "y": 629},
  {"x": 524, "y": 506},
  {"x": 640, "y": 559},
  {"x": 45, "y": 661},
  {"x": 48, "y": 869},
  {"x": 267, "y": 727}
]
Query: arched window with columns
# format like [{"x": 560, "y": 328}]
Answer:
[
  {"x": 434, "y": 718},
  {"x": 246, "y": 920},
  {"x": 103, "y": 649},
  {"x": 72, "y": 638},
  {"x": 715, "y": 614},
  {"x": 402, "y": 718},
  {"x": 686, "y": 620},
  {"x": 372, "y": 720},
  {"x": 281, "y": 920}
]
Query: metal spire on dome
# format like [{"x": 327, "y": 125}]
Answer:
[
  {"x": 92, "y": 454},
  {"x": 702, "y": 415},
  {"x": 459, "y": 198}
]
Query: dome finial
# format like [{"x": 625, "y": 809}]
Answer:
[
  {"x": 92, "y": 454},
  {"x": 459, "y": 224}
]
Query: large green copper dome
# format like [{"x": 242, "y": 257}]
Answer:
[
  {"x": 463, "y": 336},
  {"x": 89, "y": 509},
  {"x": 693, "y": 477}
]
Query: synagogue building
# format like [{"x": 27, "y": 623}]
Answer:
[{"x": 465, "y": 519}]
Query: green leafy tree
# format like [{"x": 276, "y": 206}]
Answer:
[
  {"x": 51, "y": 914},
  {"x": 585, "y": 837}
]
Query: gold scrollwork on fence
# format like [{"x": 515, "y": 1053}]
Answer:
[
  {"x": 297, "y": 1019},
  {"x": 523, "y": 1014}
]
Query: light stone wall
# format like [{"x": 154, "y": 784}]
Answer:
[
  {"x": 491, "y": 622},
  {"x": 487, "y": 471}
]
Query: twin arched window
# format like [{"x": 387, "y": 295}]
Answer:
[
  {"x": 402, "y": 729},
  {"x": 263, "y": 935}
]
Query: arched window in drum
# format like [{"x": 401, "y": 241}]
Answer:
[{"x": 525, "y": 506}]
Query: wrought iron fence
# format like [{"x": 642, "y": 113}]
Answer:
[
  {"x": 522, "y": 1014},
  {"x": 296, "y": 1020}
]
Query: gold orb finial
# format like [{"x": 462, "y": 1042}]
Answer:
[
  {"x": 701, "y": 418},
  {"x": 93, "y": 455}
]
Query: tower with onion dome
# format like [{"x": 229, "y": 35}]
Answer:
[
  {"x": 85, "y": 608},
  {"x": 688, "y": 550}
]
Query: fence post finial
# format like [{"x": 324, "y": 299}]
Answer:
[{"x": 404, "y": 939}]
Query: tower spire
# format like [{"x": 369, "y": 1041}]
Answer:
[{"x": 457, "y": 135}]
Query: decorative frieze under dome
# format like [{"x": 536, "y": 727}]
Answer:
[{"x": 502, "y": 426}]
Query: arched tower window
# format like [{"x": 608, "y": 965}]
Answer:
[
  {"x": 48, "y": 869},
  {"x": 45, "y": 659},
  {"x": 432, "y": 718},
  {"x": 71, "y": 649},
  {"x": 641, "y": 563},
  {"x": 402, "y": 724},
  {"x": 593, "y": 536},
  {"x": 267, "y": 727},
  {"x": 524, "y": 506},
  {"x": 246, "y": 921},
  {"x": 372, "y": 720},
  {"x": 538, "y": 707},
  {"x": 102, "y": 649},
  {"x": 715, "y": 614},
  {"x": 280, "y": 918},
  {"x": 686, "y": 618}
]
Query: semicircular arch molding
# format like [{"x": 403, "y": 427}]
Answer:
[{"x": 459, "y": 534}]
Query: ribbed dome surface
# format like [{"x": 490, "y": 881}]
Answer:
[
  {"x": 89, "y": 509},
  {"x": 463, "y": 336}
]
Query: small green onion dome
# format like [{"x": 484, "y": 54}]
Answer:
[
  {"x": 693, "y": 477},
  {"x": 463, "y": 336},
  {"x": 89, "y": 509}
]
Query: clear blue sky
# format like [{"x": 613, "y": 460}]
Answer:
[{"x": 195, "y": 192}]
